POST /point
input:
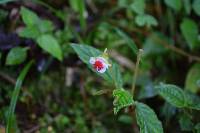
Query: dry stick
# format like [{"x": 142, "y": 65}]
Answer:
[
  {"x": 136, "y": 70},
  {"x": 177, "y": 50}
]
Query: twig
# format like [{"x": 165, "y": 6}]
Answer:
[
  {"x": 177, "y": 50},
  {"x": 136, "y": 70},
  {"x": 7, "y": 78}
]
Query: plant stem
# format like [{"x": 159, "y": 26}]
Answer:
[{"x": 136, "y": 70}]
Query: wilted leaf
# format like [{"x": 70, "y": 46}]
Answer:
[
  {"x": 189, "y": 30},
  {"x": 16, "y": 56},
  {"x": 147, "y": 119},
  {"x": 50, "y": 44},
  {"x": 122, "y": 99}
]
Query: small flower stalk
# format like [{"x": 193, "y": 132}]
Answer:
[{"x": 100, "y": 63}]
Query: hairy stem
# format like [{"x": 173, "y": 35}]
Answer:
[{"x": 136, "y": 70}]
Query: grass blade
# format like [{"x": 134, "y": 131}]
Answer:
[{"x": 15, "y": 95}]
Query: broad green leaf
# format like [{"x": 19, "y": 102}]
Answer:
[
  {"x": 30, "y": 32},
  {"x": 186, "y": 122},
  {"x": 138, "y": 6},
  {"x": 147, "y": 119},
  {"x": 192, "y": 78},
  {"x": 14, "y": 98},
  {"x": 45, "y": 26},
  {"x": 126, "y": 119},
  {"x": 128, "y": 40},
  {"x": 28, "y": 16},
  {"x": 187, "y": 6},
  {"x": 122, "y": 99},
  {"x": 16, "y": 56},
  {"x": 85, "y": 52},
  {"x": 145, "y": 19},
  {"x": 174, "y": 4},
  {"x": 5, "y": 1},
  {"x": 196, "y": 7},
  {"x": 192, "y": 101},
  {"x": 172, "y": 94},
  {"x": 50, "y": 44},
  {"x": 189, "y": 30}
]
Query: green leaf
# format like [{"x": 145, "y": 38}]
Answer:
[
  {"x": 196, "y": 7},
  {"x": 145, "y": 19},
  {"x": 147, "y": 119},
  {"x": 138, "y": 6},
  {"x": 172, "y": 94},
  {"x": 122, "y": 99},
  {"x": 128, "y": 40},
  {"x": 16, "y": 56},
  {"x": 15, "y": 95},
  {"x": 189, "y": 30},
  {"x": 50, "y": 44},
  {"x": 187, "y": 6},
  {"x": 126, "y": 119},
  {"x": 192, "y": 101},
  {"x": 185, "y": 122},
  {"x": 112, "y": 74},
  {"x": 192, "y": 78},
  {"x": 28, "y": 16},
  {"x": 6, "y": 1},
  {"x": 30, "y": 32},
  {"x": 45, "y": 26},
  {"x": 174, "y": 4}
]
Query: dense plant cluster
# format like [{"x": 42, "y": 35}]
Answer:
[{"x": 99, "y": 66}]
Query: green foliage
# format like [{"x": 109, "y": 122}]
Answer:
[
  {"x": 30, "y": 32},
  {"x": 191, "y": 82},
  {"x": 122, "y": 99},
  {"x": 126, "y": 119},
  {"x": 85, "y": 52},
  {"x": 6, "y": 1},
  {"x": 147, "y": 119},
  {"x": 177, "y": 97},
  {"x": 138, "y": 6},
  {"x": 185, "y": 122},
  {"x": 174, "y": 4},
  {"x": 29, "y": 17},
  {"x": 196, "y": 6},
  {"x": 145, "y": 19},
  {"x": 172, "y": 94},
  {"x": 16, "y": 56},
  {"x": 15, "y": 95},
  {"x": 129, "y": 41},
  {"x": 189, "y": 30},
  {"x": 50, "y": 44},
  {"x": 79, "y": 6},
  {"x": 187, "y": 6},
  {"x": 41, "y": 31}
]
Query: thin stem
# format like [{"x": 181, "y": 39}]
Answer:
[{"x": 136, "y": 70}]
